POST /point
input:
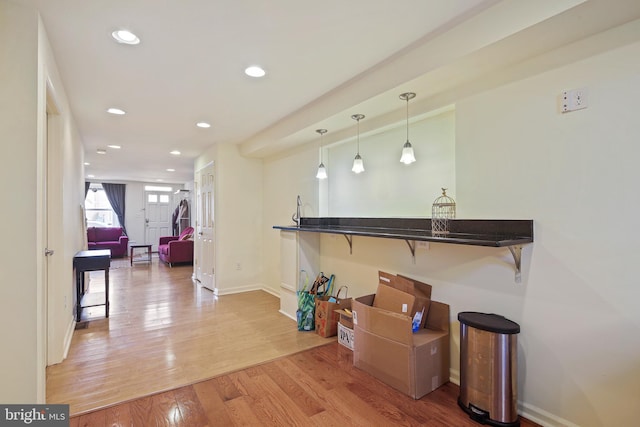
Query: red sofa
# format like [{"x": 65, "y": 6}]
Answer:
[
  {"x": 108, "y": 238},
  {"x": 177, "y": 249}
]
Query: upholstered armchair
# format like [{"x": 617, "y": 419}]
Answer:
[{"x": 177, "y": 249}]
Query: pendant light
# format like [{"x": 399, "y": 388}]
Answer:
[
  {"x": 407, "y": 150},
  {"x": 358, "y": 165},
  {"x": 322, "y": 171}
]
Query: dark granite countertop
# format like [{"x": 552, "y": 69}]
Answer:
[{"x": 496, "y": 233}]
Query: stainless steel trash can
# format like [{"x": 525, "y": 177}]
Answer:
[{"x": 488, "y": 368}]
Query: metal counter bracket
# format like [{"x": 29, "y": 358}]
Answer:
[
  {"x": 516, "y": 251},
  {"x": 412, "y": 248},
  {"x": 350, "y": 240}
]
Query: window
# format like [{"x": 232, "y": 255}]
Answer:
[
  {"x": 158, "y": 188},
  {"x": 98, "y": 209}
]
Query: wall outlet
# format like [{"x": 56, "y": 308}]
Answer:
[
  {"x": 572, "y": 100},
  {"x": 238, "y": 266},
  {"x": 422, "y": 245}
]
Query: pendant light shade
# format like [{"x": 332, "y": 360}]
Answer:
[
  {"x": 358, "y": 165},
  {"x": 322, "y": 171},
  {"x": 407, "y": 150}
]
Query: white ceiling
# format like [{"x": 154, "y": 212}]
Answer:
[{"x": 324, "y": 61}]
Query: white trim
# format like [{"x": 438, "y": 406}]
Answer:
[
  {"x": 288, "y": 287},
  {"x": 454, "y": 376},
  {"x": 542, "y": 417},
  {"x": 271, "y": 291},
  {"x": 68, "y": 336},
  {"x": 287, "y": 315},
  {"x": 526, "y": 410},
  {"x": 241, "y": 289}
]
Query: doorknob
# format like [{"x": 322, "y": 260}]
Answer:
[{"x": 48, "y": 252}]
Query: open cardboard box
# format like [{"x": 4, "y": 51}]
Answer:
[
  {"x": 385, "y": 346},
  {"x": 421, "y": 291}
]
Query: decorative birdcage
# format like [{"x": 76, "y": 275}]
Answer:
[{"x": 442, "y": 211}]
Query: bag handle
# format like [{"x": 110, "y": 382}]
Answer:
[
  {"x": 321, "y": 280},
  {"x": 346, "y": 291},
  {"x": 305, "y": 280}
]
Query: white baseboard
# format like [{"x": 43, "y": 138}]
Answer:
[
  {"x": 239, "y": 290},
  {"x": 288, "y": 315},
  {"x": 287, "y": 287},
  {"x": 542, "y": 417},
  {"x": 271, "y": 291},
  {"x": 530, "y": 412},
  {"x": 67, "y": 337},
  {"x": 248, "y": 288},
  {"x": 454, "y": 376}
]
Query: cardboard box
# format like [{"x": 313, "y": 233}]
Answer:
[
  {"x": 421, "y": 291},
  {"x": 385, "y": 347},
  {"x": 346, "y": 318},
  {"x": 345, "y": 336}
]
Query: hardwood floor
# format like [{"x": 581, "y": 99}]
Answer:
[
  {"x": 165, "y": 332},
  {"x": 172, "y": 354},
  {"x": 317, "y": 387}
]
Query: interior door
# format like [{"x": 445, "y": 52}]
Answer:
[
  {"x": 206, "y": 233},
  {"x": 158, "y": 218},
  {"x": 197, "y": 258}
]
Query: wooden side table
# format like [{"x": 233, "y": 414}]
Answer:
[{"x": 148, "y": 248}]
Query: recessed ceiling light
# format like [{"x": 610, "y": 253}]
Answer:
[
  {"x": 171, "y": 170},
  {"x": 87, "y": 164},
  {"x": 175, "y": 152},
  {"x": 254, "y": 71},
  {"x": 125, "y": 37},
  {"x": 117, "y": 147},
  {"x": 101, "y": 151},
  {"x": 91, "y": 176},
  {"x": 116, "y": 111},
  {"x": 203, "y": 125}
]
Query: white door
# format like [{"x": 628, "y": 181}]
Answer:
[
  {"x": 206, "y": 231},
  {"x": 158, "y": 217},
  {"x": 197, "y": 253}
]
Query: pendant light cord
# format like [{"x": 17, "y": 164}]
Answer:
[
  {"x": 407, "y": 119},
  {"x": 358, "y": 139}
]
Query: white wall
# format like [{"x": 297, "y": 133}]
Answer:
[
  {"x": 238, "y": 218},
  {"x": 19, "y": 260},
  {"x": 388, "y": 187},
  {"x": 26, "y": 62},
  {"x": 575, "y": 175},
  {"x": 65, "y": 196}
]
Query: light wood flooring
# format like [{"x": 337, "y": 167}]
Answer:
[
  {"x": 165, "y": 332},
  {"x": 317, "y": 387}
]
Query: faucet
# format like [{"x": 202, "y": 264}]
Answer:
[{"x": 296, "y": 216}]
